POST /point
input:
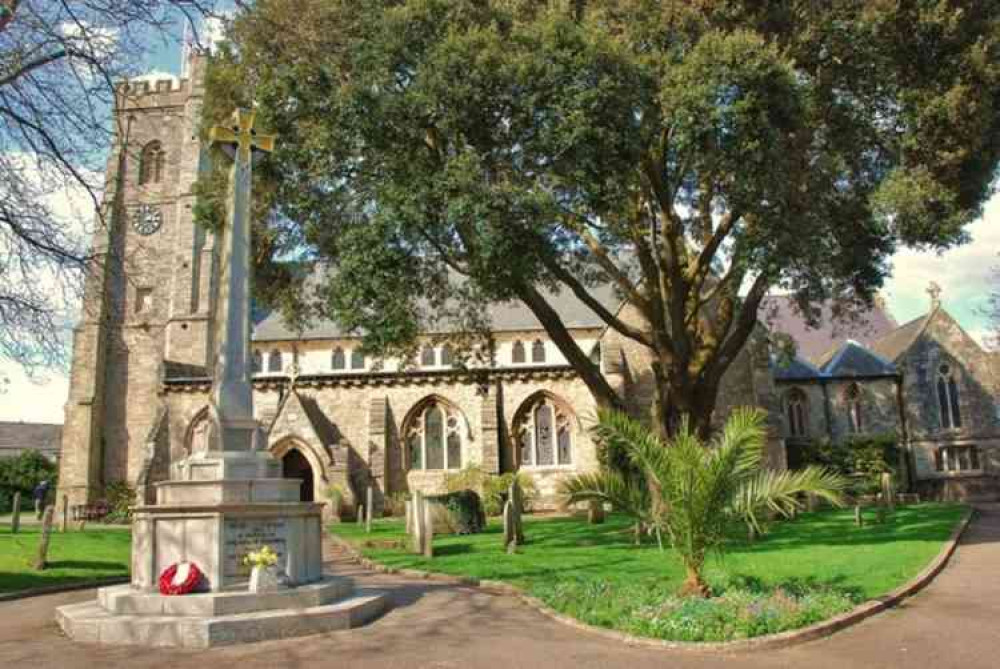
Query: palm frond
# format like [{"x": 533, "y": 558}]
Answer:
[
  {"x": 778, "y": 491},
  {"x": 619, "y": 430},
  {"x": 625, "y": 495}
]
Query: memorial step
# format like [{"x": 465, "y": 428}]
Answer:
[
  {"x": 126, "y": 600},
  {"x": 89, "y": 622}
]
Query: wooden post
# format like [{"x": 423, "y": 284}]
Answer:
[
  {"x": 15, "y": 518},
  {"x": 858, "y": 520},
  {"x": 64, "y": 519},
  {"x": 43, "y": 545},
  {"x": 368, "y": 510},
  {"x": 417, "y": 523},
  {"x": 888, "y": 493}
]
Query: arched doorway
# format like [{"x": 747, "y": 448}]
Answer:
[{"x": 295, "y": 466}]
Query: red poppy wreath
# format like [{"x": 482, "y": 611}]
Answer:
[{"x": 180, "y": 578}]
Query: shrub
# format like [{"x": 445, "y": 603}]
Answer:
[
  {"x": 492, "y": 487},
  {"x": 120, "y": 497},
  {"x": 22, "y": 473},
  {"x": 863, "y": 459},
  {"x": 463, "y": 511}
]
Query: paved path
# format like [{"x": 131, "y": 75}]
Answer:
[{"x": 955, "y": 622}]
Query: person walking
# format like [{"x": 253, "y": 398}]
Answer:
[{"x": 40, "y": 493}]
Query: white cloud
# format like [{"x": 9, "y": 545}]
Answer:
[
  {"x": 38, "y": 400},
  {"x": 40, "y": 397},
  {"x": 966, "y": 274}
]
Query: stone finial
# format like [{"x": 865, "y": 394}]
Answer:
[{"x": 934, "y": 290}]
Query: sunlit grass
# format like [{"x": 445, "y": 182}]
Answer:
[{"x": 821, "y": 560}]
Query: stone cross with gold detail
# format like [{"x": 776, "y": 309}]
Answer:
[{"x": 232, "y": 391}]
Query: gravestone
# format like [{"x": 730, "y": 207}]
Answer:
[
  {"x": 595, "y": 512},
  {"x": 417, "y": 524},
  {"x": 64, "y": 518},
  {"x": 360, "y": 520},
  {"x": 888, "y": 491},
  {"x": 368, "y": 510},
  {"x": 421, "y": 516},
  {"x": 15, "y": 518},
  {"x": 427, "y": 549},
  {"x": 43, "y": 545},
  {"x": 513, "y": 533}
]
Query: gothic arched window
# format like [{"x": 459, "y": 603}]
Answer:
[
  {"x": 852, "y": 398},
  {"x": 544, "y": 435},
  {"x": 258, "y": 362},
  {"x": 337, "y": 359},
  {"x": 947, "y": 390},
  {"x": 434, "y": 438},
  {"x": 517, "y": 356},
  {"x": 151, "y": 163},
  {"x": 797, "y": 413},
  {"x": 357, "y": 359},
  {"x": 428, "y": 356},
  {"x": 274, "y": 363},
  {"x": 538, "y": 351},
  {"x": 447, "y": 355}
]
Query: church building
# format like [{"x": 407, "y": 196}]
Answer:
[{"x": 335, "y": 417}]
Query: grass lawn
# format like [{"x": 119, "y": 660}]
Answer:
[
  {"x": 803, "y": 571},
  {"x": 73, "y": 556}
]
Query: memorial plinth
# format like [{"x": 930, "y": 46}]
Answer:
[{"x": 224, "y": 502}]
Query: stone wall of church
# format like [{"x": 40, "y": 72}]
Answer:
[
  {"x": 348, "y": 418},
  {"x": 934, "y": 446},
  {"x": 130, "y": 302}
]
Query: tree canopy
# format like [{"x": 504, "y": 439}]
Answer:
[{"x": 695, "y": 155}]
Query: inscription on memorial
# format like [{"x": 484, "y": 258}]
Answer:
[{"x": 249, "y": 534}]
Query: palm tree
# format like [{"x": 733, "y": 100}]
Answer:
[{"x": 698, "y": 490}]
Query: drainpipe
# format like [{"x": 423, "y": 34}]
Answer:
[
  {"x": 827, "y": 411},
  {"x": 907, "y": 452}
]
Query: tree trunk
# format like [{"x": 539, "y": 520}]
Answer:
[
  {"x": 672, "y": 403},
  {"x": 694, "y": 584}
]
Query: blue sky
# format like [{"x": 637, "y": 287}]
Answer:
[{"x": 966, "y": 274}]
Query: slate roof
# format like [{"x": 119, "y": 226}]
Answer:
[
  {"x": 854, "y": 360},
  {"x": 895, "y": 343},
  {"x": 504, "y": 317},
  {"x": 821, "y": 343},
  {"x": 16, "y": 438},
  {"x": 797, "y": 368}
]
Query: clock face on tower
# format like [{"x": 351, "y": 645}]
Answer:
[{"x": 147, "y": 219}]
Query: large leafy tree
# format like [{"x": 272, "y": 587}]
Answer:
[{"x": 695, "y": 155}]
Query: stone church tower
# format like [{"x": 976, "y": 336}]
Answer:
[{"x": 148, "y": 298}]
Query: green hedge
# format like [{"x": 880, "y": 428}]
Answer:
[
  {"x": 864, "y": 459},
  {"x": 22, "y": 473},
  {"x": 465, "y": 510}
]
